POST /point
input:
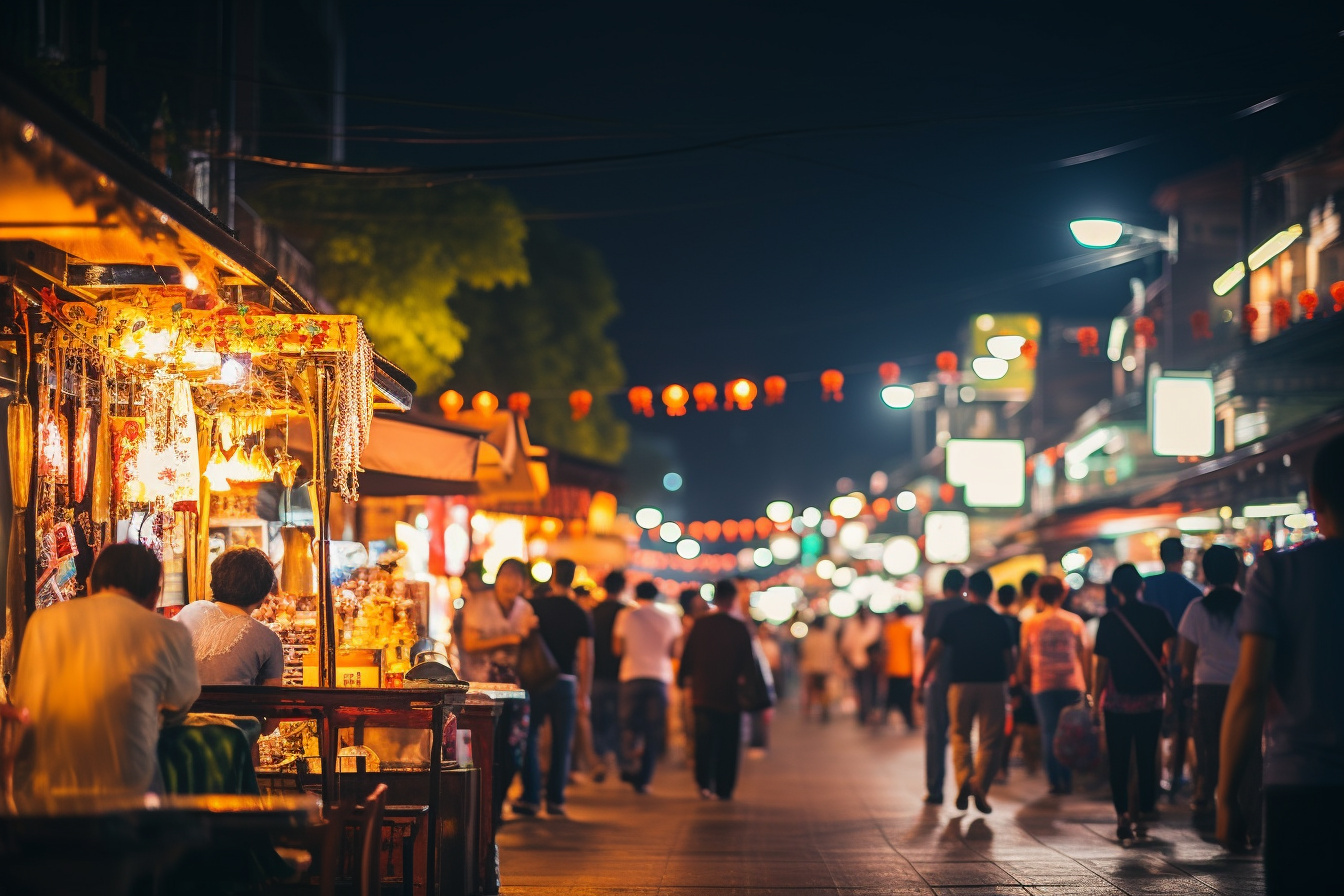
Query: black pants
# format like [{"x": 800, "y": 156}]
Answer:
[
  {"x": 718, "y": 739},
  {"x": 1133, "y": 734},
  {"x": 900, "y": 693},
  {"x": 1210, "y": 703},
  {"x": 1304, "y": 831}
]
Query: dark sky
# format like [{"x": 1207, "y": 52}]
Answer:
[{"x": 875, "y": 172}]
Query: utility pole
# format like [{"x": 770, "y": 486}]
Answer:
[{"x": 336, "y": 35}]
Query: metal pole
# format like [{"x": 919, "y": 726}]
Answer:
[{"x": 326, "y": 604}]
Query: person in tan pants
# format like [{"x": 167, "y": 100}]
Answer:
[{"x": 982, "y": 654}]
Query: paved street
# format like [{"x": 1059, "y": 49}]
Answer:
[{"x": 836, "y": 810}]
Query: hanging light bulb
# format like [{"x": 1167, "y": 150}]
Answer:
[
  {"x": 215, "y": 472},
  {"x": 261, "y": 467}
]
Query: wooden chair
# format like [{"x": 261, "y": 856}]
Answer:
[
  {"x": 344, "y": 849},
  {"x": 13, "y": 719},
  {"x": 368, "y": 815}
]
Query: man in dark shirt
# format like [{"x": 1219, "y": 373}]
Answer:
[
  {"x": 606, "y": 690},
  {"x": 1174, "y": 593},
  {"x": 981, "y": 646},
  {"x": 568, "y": 631},
  {"x": 716, "y": 656},
  {"x": 935, "y": 697}
]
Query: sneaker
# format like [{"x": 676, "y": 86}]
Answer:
[
  {"x": 982, "y": 805},
  {"x": 964, "y": 797},
  {"x": 1124, "y": 832},
  {"x": 931, "y": 799},
  {"x": 526, "y": 810},
  {"x": 556, "y": 810}
]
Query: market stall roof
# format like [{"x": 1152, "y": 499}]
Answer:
[{"x": 118, "y": 221}]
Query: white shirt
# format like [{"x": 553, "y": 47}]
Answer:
[
  {"x": 648, "y": 635},
  {"x": 95, "y": 673}
]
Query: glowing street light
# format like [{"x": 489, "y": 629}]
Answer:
[
  {"x": 669, "y": 532},
  {"x": 648, "y": 517},
  {"x": 1006, "y": 348},
  {"x": 989, "y": 368},
  {"x": 779, "y": 511},
  {"x": 897, "y": 396},
  {"x": 1107, "y": 233}
]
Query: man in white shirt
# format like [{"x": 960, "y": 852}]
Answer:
[
  {"x": 97, "y": 674},
  {"x": 646, "y": 639}
]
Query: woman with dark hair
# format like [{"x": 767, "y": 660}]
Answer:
[
  {"x": 230, "y": 646},
  {"x": 1210, "y": 647},
  {"x": 1128, "y": 689},
  {"x": 493, "y": 624}
]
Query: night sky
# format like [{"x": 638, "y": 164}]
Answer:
[{"x": 869, "y": 176}]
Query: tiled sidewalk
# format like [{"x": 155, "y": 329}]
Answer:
[{"x": 836, "y": 810}]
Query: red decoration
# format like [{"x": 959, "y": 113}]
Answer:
[
  {"x": 889, "y": 372},
  {"x": 1308, "y": 299},
  {"x": 485, "y": 403},
  {"x": 1249, "y": 315},
  {"x": 1282, "y": 311},
  {"x": 1143, "y": 332},
  {"x": 705, "y": 395},
  {"x": 832, "y": 381},
  {"x": 741, "y": 392},
  {"x": 774, "y": 389},
  {"x": 1199, "y": 326},
  {"x": 641, "y": 401},
  {"x": 764, "y": 527},
  {"x": 947, "y": 493},
  {"x": 696, "y": 530},
  {"x": 675, "y": 398},
  {"x": 1087, "y": 341},
  {"x": 520, "y": 403},
  {"x": 1029, "y": 349},
  {"x": 881, "y": 508},
  {"x": 1337, "y": 293},
  {"x": 450, "y": 403},
  {"x": 713, "y": 530},
  {"x": 947, "y": 362},
  {"x": 730, "y": 530},
  {"x": 746, "y": 529},
  {"x": 580, "y": 402}
]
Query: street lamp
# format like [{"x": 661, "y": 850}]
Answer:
[
  {"x": 897, "y": 396},
  {"x": 1107, "y": 233}
]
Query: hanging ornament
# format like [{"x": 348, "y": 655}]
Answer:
[
  {"x": 485, "y": 403},
  {"x": 730, "y": 530},
  {"x": 774, "y": 389},
  {"x": 889, "y": 372},
  {"x": 947, "y": 493},
  {"x": 1282, "y": 312},
  {"x": 705, "y": 393},
  {"x": 746, "y": 529},
  {"x": 713, "y": 530},
  {"x": 53, "y": 433},
  {"x": 450, "y": 403},
  {"x": 832, "y": 381},
  {"x": 947, "y": 362},
  {"x": 1029, "y": 349},
  {"x": 674, "y": 399},
  {"x": 1249, "y": 315},
  {"x": 1144, "y": 328},
  {"x": 1199, "y": 326},
  {"x": 580, "y": 403},
  {"x": 520, "y": 403},
  {"x": 764, "y": 527},
  {"x": 641, "y": 401},
  {"x": 1308, "y": 300},
  {"x": 742, "y": 393},
  {"x": 1337, "y": 293},
  {"x": 1087, "y": 341},
  {"x": 79, "y": 460}
]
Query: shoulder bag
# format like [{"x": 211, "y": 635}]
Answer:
[
  {"x": 755, "y": 693},
  {"x": 537, "y": 668}
]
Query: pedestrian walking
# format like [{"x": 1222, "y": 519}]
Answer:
[
  {"x": 568, "y": 632},
  {"x": 1210, "y": 648},
  {"x": 1174, "y": 593},
  {"x": 899, "y": 638},
  {"x": 818, "y": 659},
  {"x": 1130, "y": 661},
  {"x": 1053, "y": 651},
  {"x": 933, "y": 690},
  {"x": 1292, "y": 629},
  {"x": 605, "y": 697},
  {"x": 982, "y": 649},
  {"x": 1019, "y": 701},
  {"x": 717, "y": 656},
  {"x": 861, "y": 649},
  {"x": 646, "y": 639}
]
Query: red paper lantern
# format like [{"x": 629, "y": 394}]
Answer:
[
  {"x": 889, "y": 372},
  {"x": 450, "y": 403},
  {"x": 705, "y": 395},
  {"x": 1249, "y": 315},
  {"x": 1199, "y": 326},
  {"x": 747, "y": 529},
  {"x": 696, "y": 530},
  {"x": 881, "y": 507},
  {"x": 947, "y": 362},
  {"x": 1282, "y": 311},
  {"x": 675, "y": 398},
  {"x": 1087, "y": 341},
  {"x": 1337, "y": 293},
  {"x": 1029, "y": 349},
  {"x": 764, "y": 526},
  {"x": 832, "y": 381},
  {"x": 1143, "y": 332},
  {"x": 730, "y": 530},
  {"x": 947, "y": 493},
  {"x": 485, "y": 403},
  {"x": 774, "y": 389},
  {"x": 520, "y": 403},
  {"x": 580, "y": 402},
  {"x": 1308, "y": 299},
  {"x": 713, "y": 530},
  {"x": 741, "y": 392},
  {"x": 641, "y": 401}
]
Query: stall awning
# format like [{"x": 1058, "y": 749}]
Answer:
[{"x": 412, "y": 456}]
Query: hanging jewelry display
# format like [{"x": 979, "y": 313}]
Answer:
[
  {"x": 101, "y": 502},
  {"x": 353, "y": 417}
]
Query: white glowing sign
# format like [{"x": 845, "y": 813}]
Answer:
[
  {"x": 1180, "y": 415},
  {"x": 993, "y": 471},
  {"x": 947, "y": 536}
]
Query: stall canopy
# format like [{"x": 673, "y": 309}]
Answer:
[{"x": 414, "y": 455}]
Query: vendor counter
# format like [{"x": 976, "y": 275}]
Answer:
[{"x": 460, "y": 855}]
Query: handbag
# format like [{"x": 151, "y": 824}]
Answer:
[
  {"x": 755, "y": 693},
  {"x": 537, "y": 668},
  {"x": 1077, "y": 741},
  {"x": 1168, "y": 687}
]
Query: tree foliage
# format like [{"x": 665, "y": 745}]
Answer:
[
  {"x": 547, "y": 338},
  {"x": 398, "y": 257}
]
